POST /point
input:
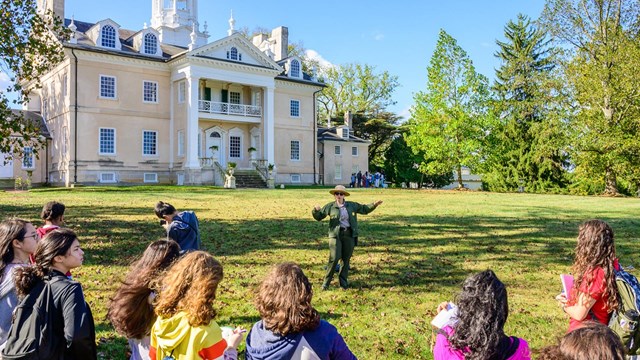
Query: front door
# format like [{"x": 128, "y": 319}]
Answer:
[{"x": 215, "y": 147}]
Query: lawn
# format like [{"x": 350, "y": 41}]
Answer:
[{"x": 414, "y": 252}]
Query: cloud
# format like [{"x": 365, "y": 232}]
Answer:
[
  {"x": 5, "y": 80},
  {"x": 315, "y": 56},
  {"x": 405, "y": 114},
  {"x": 378, "y": 36}
]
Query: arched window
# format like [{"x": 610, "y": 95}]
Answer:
[
  {"x": 233, "y": 54},
  {"x": 108, "y": 36},
  {"x": 295, "y": 69},
  {"x": 215, "y": 134},
  {"x": 150, "y": 43}
]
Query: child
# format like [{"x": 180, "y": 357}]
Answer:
[
  {"x": 130, "y": 310},
  {"x": 594, "y": 295},
  {"x": 53, "y": 216},
  {"x": 185, "y": 328},
  {"x": 592, "y": 341},
  {"x": 478, "y": 332},
  {"x": 290, "y": 327}
]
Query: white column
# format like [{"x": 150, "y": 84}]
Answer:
[
  {"x": 171, "y": 124},
  {"x": 269, "y": 125},
  {"x": 192, "y": 161}
]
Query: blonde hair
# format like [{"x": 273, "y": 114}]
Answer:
[{"x": 190, "y": 286}]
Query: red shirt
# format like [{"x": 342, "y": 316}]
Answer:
[{"x": 599, "y": 311}]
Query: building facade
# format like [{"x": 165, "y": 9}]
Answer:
[{"x": 165, "y": 105}]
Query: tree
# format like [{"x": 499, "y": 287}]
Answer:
[
  {"x": 528, "y": 142},
  {"x": 356, "y": 88},
  {"x": 603, "y": 70},
  {"x": 30, "y": 47},
  {"x": 379, "y": 130},
  {"x": 449, "y": 120}
]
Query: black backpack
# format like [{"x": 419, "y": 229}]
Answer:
[{"x": 36, "y": 328}]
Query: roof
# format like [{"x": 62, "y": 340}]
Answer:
[
  {"x": 331, "y": 134},
  {"x": 35, "y": 119}
]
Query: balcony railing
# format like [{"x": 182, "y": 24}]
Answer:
[{"x": 214, "y": 107}]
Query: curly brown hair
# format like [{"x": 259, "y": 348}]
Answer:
[
  {"x": 190, "y": 286},
  {"x": 595, "y": 249},
  {"x": 592, "y": 341},
  {"x": 129, "y": 310},
  {"x": 283, "y": 300}
]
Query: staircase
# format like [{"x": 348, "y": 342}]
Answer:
[{"x": 249, "y": 179}]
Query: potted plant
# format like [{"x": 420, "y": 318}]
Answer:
[
  {"x": 231, "y": 166},
  {"x": 213, "y": 147},
  {"x": 252, "y": 149}
]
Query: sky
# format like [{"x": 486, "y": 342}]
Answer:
[{"x": 395, "y": 36}]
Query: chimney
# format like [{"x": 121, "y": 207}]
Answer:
[
  {"x": 328, "y": 122},
  {"x": 348, "y": 119},
  {"x": 280, "y": 37},
  {"x": 259, "y": 39}
]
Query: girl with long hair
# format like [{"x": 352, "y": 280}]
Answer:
[
  {"x": 290, "y": 327},
  {"x": 130, "y": 310},
  {"x": 592, "y": 341},
  {"x": 18, "y": 240},
  {"x": 594, "y": 295},
  {"x": 55, "y": 255},
  {"x": 53, "y": 216},
  {"x": 477, "y": 332},
  {"x": 185, "y": 328}
]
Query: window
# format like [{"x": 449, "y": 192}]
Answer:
[
  {"x": 182, "y": 91},
  {"x": 338, "y": 150},
  {"x": 108, "y": 36},
  {"x": 64, "y": 85},
  {"x": 233, "y": 54},
  {"x": 27, "y": 158},
  {"x": 150, "y": 177},
  {"x": 180, "y": 143},
  {"x": 338, "y": 173},
  {"x": 199, "y": 145},
  {"x": 355, "y": 169},
  {"x": 107, "y": 141},
  {"x": 108, "y": 177},
  {"x": 354, "y": 151},
  {"x": 345, "y": 133},
  {"x": 150, "y": 43},
  {"x": 45, "y": 109},
  {"x": 295, "y": 150},
  {"x": 295, "y": 69},
  {"x": 295, "y": 178},
  {"x": 149, "y": 143},
  {"x": 234, "y": 97},
  {"x": 107, "y": 87},
  {"x": 64, "y": 140},
  {"x": 150, "y": 92},
  {"x": 234, "y": 146},
  {"x": 295, "y": 108}
]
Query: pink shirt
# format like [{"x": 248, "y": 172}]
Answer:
[{"x": 443, "y": 351}]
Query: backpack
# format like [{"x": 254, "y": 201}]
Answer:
[
  {"x": 35, "y": 330},
  {"x": 624, "y": 320}
]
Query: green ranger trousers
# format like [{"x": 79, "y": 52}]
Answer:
[{"x": 340, "y": 248}]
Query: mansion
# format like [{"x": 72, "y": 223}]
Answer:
[{"x": 163, "y": 104}]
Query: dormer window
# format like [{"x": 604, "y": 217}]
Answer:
[
  {"x": 345, "y": 133},
  {"x": 108, "y": 36},
  {"x": 150, "y": 44},
  {"x": 295, "y": 69},
  {"x": 233, "y": 54}
]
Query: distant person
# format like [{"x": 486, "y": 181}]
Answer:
[
  {"x": 477, "y": 330},
  {"x": 592, "y": 341},
  {"x": 185, "y": 327},
  {"x": 352, "y": 184},
  {"x": 290, "y": 328},
  {"x": 53, "y": 216},
  {"x": 343, "y": 231},
  {"x": 131, "y": 310},
  {"x": 594, "y": 295},
  {"x": 18, "y": 240},
  {"x": 182, "y": 227},
  {"x": 56, "y": 254}
]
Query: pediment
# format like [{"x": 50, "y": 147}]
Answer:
[{"x": 250, "y": 54}]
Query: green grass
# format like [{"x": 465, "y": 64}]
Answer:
[{"x": 415, "y": 250}]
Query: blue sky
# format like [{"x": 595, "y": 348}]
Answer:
[{"x": 397, "y": 36}]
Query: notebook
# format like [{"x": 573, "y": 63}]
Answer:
[
  {"x": 445, "y": 317},
  {"x": 567, "y": 284}
]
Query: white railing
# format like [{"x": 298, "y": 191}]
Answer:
[{"x": 214, "y": 107}]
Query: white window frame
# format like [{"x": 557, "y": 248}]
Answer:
[
  {"x": 291, "y": 153},
  {"x": 115, "y": 136},
  {"x": 291, "y": 108},
  {"x": 182, "y": 92},
  {"x": 115, "y": 87},
  {"x": 155, "y": 146},
  {"x": 354, "y": 151},
  {"x": 154, "y": 177},
  {"x": 180, "y": 142},
  {"x": 296, "y": 178},
  {"x": 231, "y": 136},
  {"x": 153, "y": 92},
  {"x": 154, "y": 46},
  {"x": 345, "y": 133},
  {"x": 103, "y": 181},
  {"x": 31, "y": 158},
  {"x": 104, "y": 39},
  {"x": 338, "y": 172},
  {"x": 292, "y": 72},
  {"x": 337, "y": 150}
]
